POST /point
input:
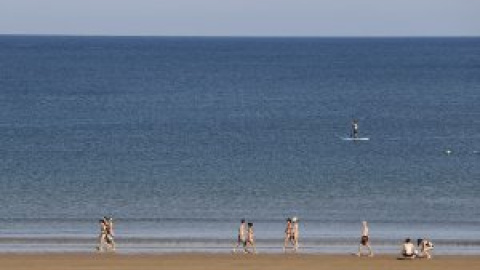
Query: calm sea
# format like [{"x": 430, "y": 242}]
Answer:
[{"x": 180, "y": 138}]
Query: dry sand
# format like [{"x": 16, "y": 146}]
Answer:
[{"x": 226, "y": 262}]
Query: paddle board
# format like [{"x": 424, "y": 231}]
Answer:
[{"x": 355, "y": 139}]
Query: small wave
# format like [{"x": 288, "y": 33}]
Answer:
[{"x": 220, "y": 241}]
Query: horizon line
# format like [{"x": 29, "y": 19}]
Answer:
[{"x": 243, "y": 36}]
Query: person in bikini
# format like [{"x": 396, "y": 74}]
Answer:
[
  {"x": 250, "y": 239},
  {"x": 288, "y": 234},
  {"x": 425, "y": 247},
  {"x": 110, "y": 234},
  {"x": 102, "y": 238}
]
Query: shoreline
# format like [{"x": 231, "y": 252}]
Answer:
[
  {"x": 135, "y": 249},
  {"x": 179, "y": 261},
  {"x": 219, "y": 254}
]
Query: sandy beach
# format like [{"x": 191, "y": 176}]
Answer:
[{"x": 226, "y": 261}]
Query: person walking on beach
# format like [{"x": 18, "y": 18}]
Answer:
[
  {"x": 110, "y": 235},
  {"x": 250, "y": 239},
  {"x": 288, "y": 234},
  {"x": 295, "y": 233},
  {"x": 365, "y": 241},
  {"x": 102, "y": 238},
  {"x": 105, "y": 239},
  {"x": 241, "y": 236}
]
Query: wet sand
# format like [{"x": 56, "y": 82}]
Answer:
[{"x": 227, "y": 261}]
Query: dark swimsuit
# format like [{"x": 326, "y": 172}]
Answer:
[{"x": 364, "y": 240}]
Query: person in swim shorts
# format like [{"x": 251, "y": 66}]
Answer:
[{"x": 241, "y": 241}]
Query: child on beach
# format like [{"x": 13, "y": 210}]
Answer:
[
  {"x": 365, "y": 241},
  {"x": 241, "y": 236},
  {"x": 250, "y": 239}
]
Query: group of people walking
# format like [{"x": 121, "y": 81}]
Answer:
[
  {"x": 246, "y": 238},
  {"x": 291, "y": 234}
]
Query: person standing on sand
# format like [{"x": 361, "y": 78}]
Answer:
[
  {"x": 295, "y": 234},
  {"x": 288, "y": 234},
  {"x": 365, "y": 241},
  {"x": 250, "y": 239},
  {"x": 241, "y": 236}
]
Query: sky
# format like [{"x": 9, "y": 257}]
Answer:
[{"x": 242, "y": 17}]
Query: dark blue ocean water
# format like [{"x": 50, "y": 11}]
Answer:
[{"x": 179, "y": 138}]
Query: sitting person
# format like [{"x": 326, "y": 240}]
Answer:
[
  {"x": 425, "y": 247},
  {"x": 408, "y": 250}
]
